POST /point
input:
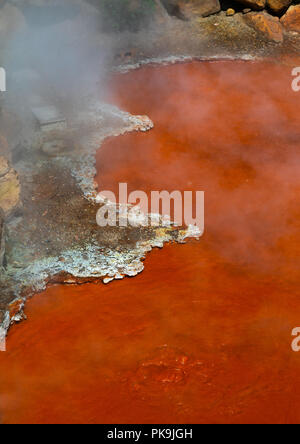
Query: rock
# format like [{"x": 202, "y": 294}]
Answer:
[
  {"x": 160, "y": 16},
  {"x": 247, "y": 10},
  {"x": 4, "y": 167},
  {"x": 269, "y": 26},
  {"x": 278, "y": 6},
  {"x": 201, "y": 8},
  {"x": 191, "y": 8},
  {"x": 256, "y": 5},
  {"x": 291, "y": 20},
  {"x": 57, "y": 143},
  {"x": 230, "y": 12},
  {"x": 9, "y": 189},
  {"x": 15, "y": 309},
  {"x": 4, "y": 147},
  {"x": 174, "y": 8},
  {"x": 54, "y": 148},
  {"x": 2, "y": 239}
]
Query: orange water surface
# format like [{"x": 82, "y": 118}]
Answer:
[{"x": 203, "y": 335}]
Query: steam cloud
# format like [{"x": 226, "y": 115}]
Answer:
[{"x": 54, "y": 49}]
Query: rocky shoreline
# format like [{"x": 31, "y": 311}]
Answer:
[{"x": 55, "y": 238}]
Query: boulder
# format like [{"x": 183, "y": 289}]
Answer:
[
  {"x": 256, "y": 5},
  {"x": 191, "y": 8},
  {"x": 278, "y": 6},
  {"x": 9, "y": 189},
  {"x": 268, "y": 26},
  {"x": 291, "y": 20},
  {"x": 201, "y": 8}
]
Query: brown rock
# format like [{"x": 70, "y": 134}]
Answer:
[
  {"x": 15, "y": 307},
  {"x": 230, "y": 12},
  {"x": 291, "y": 20},
  {"x": 9, "y": 189},
  {"x": 191, "y": 8},
  {"x": 256, "y": 5},
  {"x": 201, "y": 8},
  {"x": 269, "y": 26},
  {"x": 278, "y": 6}
]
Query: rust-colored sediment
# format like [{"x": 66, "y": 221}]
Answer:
[{"x": 204, "y": 333}]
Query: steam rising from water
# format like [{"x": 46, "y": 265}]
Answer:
[
  {"x": 57, "y": 50},
  {"x": 229, "y": 129}
]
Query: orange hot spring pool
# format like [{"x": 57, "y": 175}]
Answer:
[{"x": 203, "y": 335}]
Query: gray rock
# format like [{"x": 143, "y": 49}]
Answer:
[
  {"x": 4, "y": 167},
  {"x": 174, "y": 8}
]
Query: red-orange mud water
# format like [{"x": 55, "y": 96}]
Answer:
[{"x": 204, "y": 333}]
